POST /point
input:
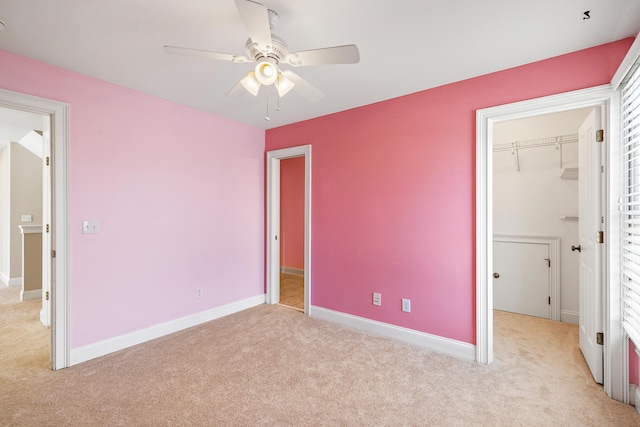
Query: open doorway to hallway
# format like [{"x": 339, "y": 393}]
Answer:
[
  {"x": 292, "y": 232},
  {"x": 274, "y": 160},
  {"x": 23, "y": 204}
]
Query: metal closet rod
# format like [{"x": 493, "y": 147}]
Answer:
[
  {"x": 540, "y": 142},
  {"x": 516, "y": 146}
]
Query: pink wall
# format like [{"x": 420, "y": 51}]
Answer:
[
  {"x": 394, "y": 192},
  {"x": 179, "y": 194},
  {"x": 292, "y": 213},
  {"x": 634, "y": 367}
]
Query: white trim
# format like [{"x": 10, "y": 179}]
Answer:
[
  {"x": 59, "y": 115},
  {"x": 554, "y": 274},
  {"x": 30, "y": 229},
  {"x": 14, "y": 281},
  {"x": 291, "y": 270},
  {"x": 567, "y": 316},
  {"x": 459, "y": 349},
  {"x": 273, "y": 222},
  {"x": 615, "y": 373},
  {"x": 626, "y": 64},
  {"x": 634, "y": 396},
  {"x": 102, "y": 348},
  {"x": 29, "y": 295}
]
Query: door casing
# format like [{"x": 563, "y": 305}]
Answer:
[
  {"x": 615, "y": 346},
  {"x": 273, "y": 222},
  {"x": 59, "y": 227}
]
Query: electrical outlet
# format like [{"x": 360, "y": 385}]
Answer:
[
  {"x": 27, "y": 218},
  {"x": 377, "y": 299},
  {"x": 198, "y": 292},
  {"x": 406, "y": 305}
]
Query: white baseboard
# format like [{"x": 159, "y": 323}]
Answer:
[
  {"x": 436, "y": 343},
  {"x": 291, "y": 270},
  {"x": 634, "y": 396},
  {"x": 570, "y": 317},
  {"x": 29, "y": 295},
  {"x": 4, "y": 278},
  {"x": 92, "y": 351},
  {"x": 16, "y": 281}
]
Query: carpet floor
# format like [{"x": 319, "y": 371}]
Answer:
[{"x": 273, "y": 366}]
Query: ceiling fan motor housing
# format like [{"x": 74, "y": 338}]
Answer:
[{"x": 278, "y": 51}]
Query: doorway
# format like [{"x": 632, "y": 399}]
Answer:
[
  {"x": 23, "y": 202},
  {"x": 273, "y": 234},
  {"x": 535, "y": 201},
  {"x": 615, "y": 376},
  {"x": 55, "y": 219},
  {"x": 292, "y": 232}
]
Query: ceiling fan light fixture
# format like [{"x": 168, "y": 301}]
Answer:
[
  {"x": 251, "y": 83},
  {"x": 284, "y": 85},
  {"x": 266, "y": 71}
]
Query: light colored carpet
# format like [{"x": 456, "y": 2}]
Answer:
[
  {"x": 273, "y": 366},
  {"x": 292, "y": 290}
]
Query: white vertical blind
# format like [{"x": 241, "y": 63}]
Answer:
[{"x": 631, "y": 205}]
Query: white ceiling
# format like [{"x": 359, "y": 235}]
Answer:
[{"x": 405, "y": 45}]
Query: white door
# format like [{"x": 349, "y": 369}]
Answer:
[
  {"x": 589, "y": 193},
  {"x": 521, "y": 281},
  {"x": 45, "y": 313}
]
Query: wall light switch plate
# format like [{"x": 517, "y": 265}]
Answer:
[
  {"x": 27, "y": 218},
  {"x": 90, "y": 227}
]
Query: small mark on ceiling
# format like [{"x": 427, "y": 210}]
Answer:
[{"x": 586, "y": 15}]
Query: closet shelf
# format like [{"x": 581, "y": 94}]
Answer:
[
  {"x": 557, "y": 141},
  {"x": 540, "y": 142}
]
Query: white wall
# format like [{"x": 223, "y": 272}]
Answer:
[
  {"x": 532, "y": 201},
  {"x": 5, "y": 191},
  {"x": 26, "y": 198},
  {"x": 20, "y": 193}
]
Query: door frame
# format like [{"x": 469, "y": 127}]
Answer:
[
  {"x": 59, "y": 235},
  {"x": 273, "y": 222},
  {"x": 616, "y": 375}
]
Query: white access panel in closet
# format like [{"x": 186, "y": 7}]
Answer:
[{"x": 522, "y": 277}]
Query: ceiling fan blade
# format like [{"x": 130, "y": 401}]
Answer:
[
  {"x": 348, "y": 54},
  {"x": 175, "y": 50},
  {"x": 303, "y": 87},
  {"x": 256, "y": 18}
]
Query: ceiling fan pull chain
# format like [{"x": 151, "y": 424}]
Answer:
[
  {"x": 277, "y": 101},
  {"x": 267, "y": 118}
]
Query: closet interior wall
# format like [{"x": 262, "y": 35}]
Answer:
[{"x": 535, "y": 189}]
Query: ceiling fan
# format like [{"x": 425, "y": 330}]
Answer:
[{"x": 269, "y": 52}]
